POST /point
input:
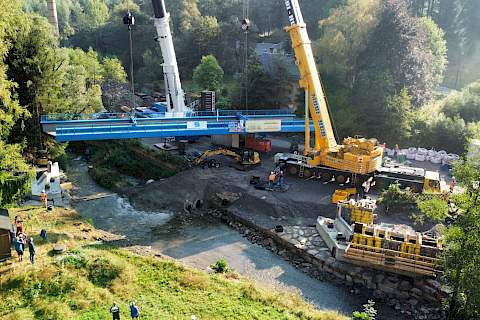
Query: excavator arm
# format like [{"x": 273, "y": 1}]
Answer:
[
  {"x": 211, "y": 153},
  {"x": 310, "y": 81}
]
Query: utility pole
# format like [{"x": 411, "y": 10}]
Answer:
[{"x": 52, "y": 15}]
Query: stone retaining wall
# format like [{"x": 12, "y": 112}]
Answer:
[{"x": 303, "y": 247}]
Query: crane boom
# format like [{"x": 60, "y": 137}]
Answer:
[
  {"x": 310, "y": 79},
  {"x": 173, "y": 86},
  {"x": 356, "y": 156}
]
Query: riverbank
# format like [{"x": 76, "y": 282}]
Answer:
[
  {"x": 199, "y": 240},
  {"x": 83, "y": 281}
]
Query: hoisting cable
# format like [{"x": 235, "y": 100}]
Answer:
[
  {"x": 129, "y": 20},
  {"x": 245, "y": 27}
]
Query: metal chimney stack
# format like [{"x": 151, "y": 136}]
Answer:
[{"x": 52, "y": 15}]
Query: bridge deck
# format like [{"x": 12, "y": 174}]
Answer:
[{"x": 121, "y": 126}]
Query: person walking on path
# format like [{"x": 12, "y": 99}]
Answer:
[
  {"x": 19, "y": 247},
  {"x": 115, "y": 311},
  {"x": 134, "y": 311},
  {"x": 31, "y": 250},
  {"x": 18, "y": 225}
]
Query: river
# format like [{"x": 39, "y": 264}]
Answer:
[{"x": 201, "y": 242}]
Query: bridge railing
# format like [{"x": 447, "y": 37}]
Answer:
[{"x": 144, "y": 115}]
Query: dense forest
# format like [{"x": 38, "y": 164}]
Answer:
[{"x": 403, "y": 71}]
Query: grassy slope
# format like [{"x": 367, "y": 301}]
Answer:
[{"x": 84, "y": 285}]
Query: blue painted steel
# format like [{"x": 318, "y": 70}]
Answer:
[
  {"x": 139, "y": 116},
  {"x": 132, "y": 131}
]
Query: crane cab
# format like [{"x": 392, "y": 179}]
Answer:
[{"x": 431, "y": 183}]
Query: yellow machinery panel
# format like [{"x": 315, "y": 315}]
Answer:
[{"x": 355, "y": 155}]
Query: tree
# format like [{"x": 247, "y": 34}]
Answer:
[
  {"x": 400, "y": 47},
  {"x": 10, "y": 110},
  {"x": 464, "y": 104},
  {"x": 462, "y": 255},
  {"x": 398, "y": 118},
  {"x": 208, "y": 74},
  {"x": 113, "y": 70},
  {"x": 344, "y": 36},
  {"x": 15, "y": 174}
]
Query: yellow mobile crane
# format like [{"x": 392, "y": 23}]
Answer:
[{"x": 356, "y": 158}]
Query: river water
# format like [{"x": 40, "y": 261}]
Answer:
[{"x": 201, "y": 242}]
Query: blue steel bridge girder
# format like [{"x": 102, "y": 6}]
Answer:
[{"x": 106, "y": 126}]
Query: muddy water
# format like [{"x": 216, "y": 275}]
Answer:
[{"x": 202, "y": 241}]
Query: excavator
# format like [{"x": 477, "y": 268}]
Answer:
[
  {"x": 354, "y": 160},
  {"x": 245, "y": 159},
  {"x": 357, "y": 160}
]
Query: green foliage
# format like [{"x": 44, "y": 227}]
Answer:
[
  {"x": 369, "y": 312},
  {"x": 113, "y": 70},
  {"x": 434, "y": 208},
  {"x": 101, "y": 272},
  {"x": 344, "y": 36},
  {"x": 105, "y": 177},
  {"x": 394, "y": 198},
  {"x": 221, "y": 266},
  {"x": 266, "y": 88},
  {"x": 208, "y": 75},
  {"x": 398, "y": 117},
  {"x": 464, "y": 104},
  {"x": 15, "y": 174},
  {"x": 115, "y": 158},
  {"x": 75, "y": 260},
  {"x": 463, "y": 247}
]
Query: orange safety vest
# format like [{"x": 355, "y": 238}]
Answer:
[
  {"x": 272, "y": 177},
  {"x": 43, "y": 196}
]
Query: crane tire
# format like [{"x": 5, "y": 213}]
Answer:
[
  {"x": 307, "y": 173},
  {"x": 326, "y": 176},
  {"x": 340, "y": 179},
  {"x": 292, "y": 169}
]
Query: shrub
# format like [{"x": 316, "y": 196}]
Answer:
[
  {"x": 105, "y": 177},
  {"x": 101, "y": 272},
  {"x": 369, "y": 312},
  {"x": 394, "y": 198},
  {"x": 221, "y": 266},
  {"x": 77, "y": 261}
]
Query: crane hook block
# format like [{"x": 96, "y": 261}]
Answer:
[{"x": 129, "y": 19}]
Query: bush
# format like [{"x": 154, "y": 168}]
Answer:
[
  {"x": 369, "y": 312},
  {"x": 77, "y": 261},
  {"x": 221, "y": 266},
  {"x": 105, "y": 177},
  {"x": 394, "y": 198},
  {"x": 434, "y": 208},
  {"x": 101, "y": 272}
]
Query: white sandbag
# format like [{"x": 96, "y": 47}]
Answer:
[
  {"x": 436, "y": 160},
  {"x": 412, "y": 150},
  {"x": 411, "y": 156},
  {"x": 422, "y": 151},
  {"x": 432, "y": 153},
  {"x": 420, "y": 157}
]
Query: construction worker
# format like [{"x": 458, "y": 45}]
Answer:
[
  {"x": 452, "y": 184},
  {"x": 43, "y": 197},
  {"x": 31, "y": 250},
  {"x": 271, "y": 179},
  {"x": 281, "y": 179}
]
